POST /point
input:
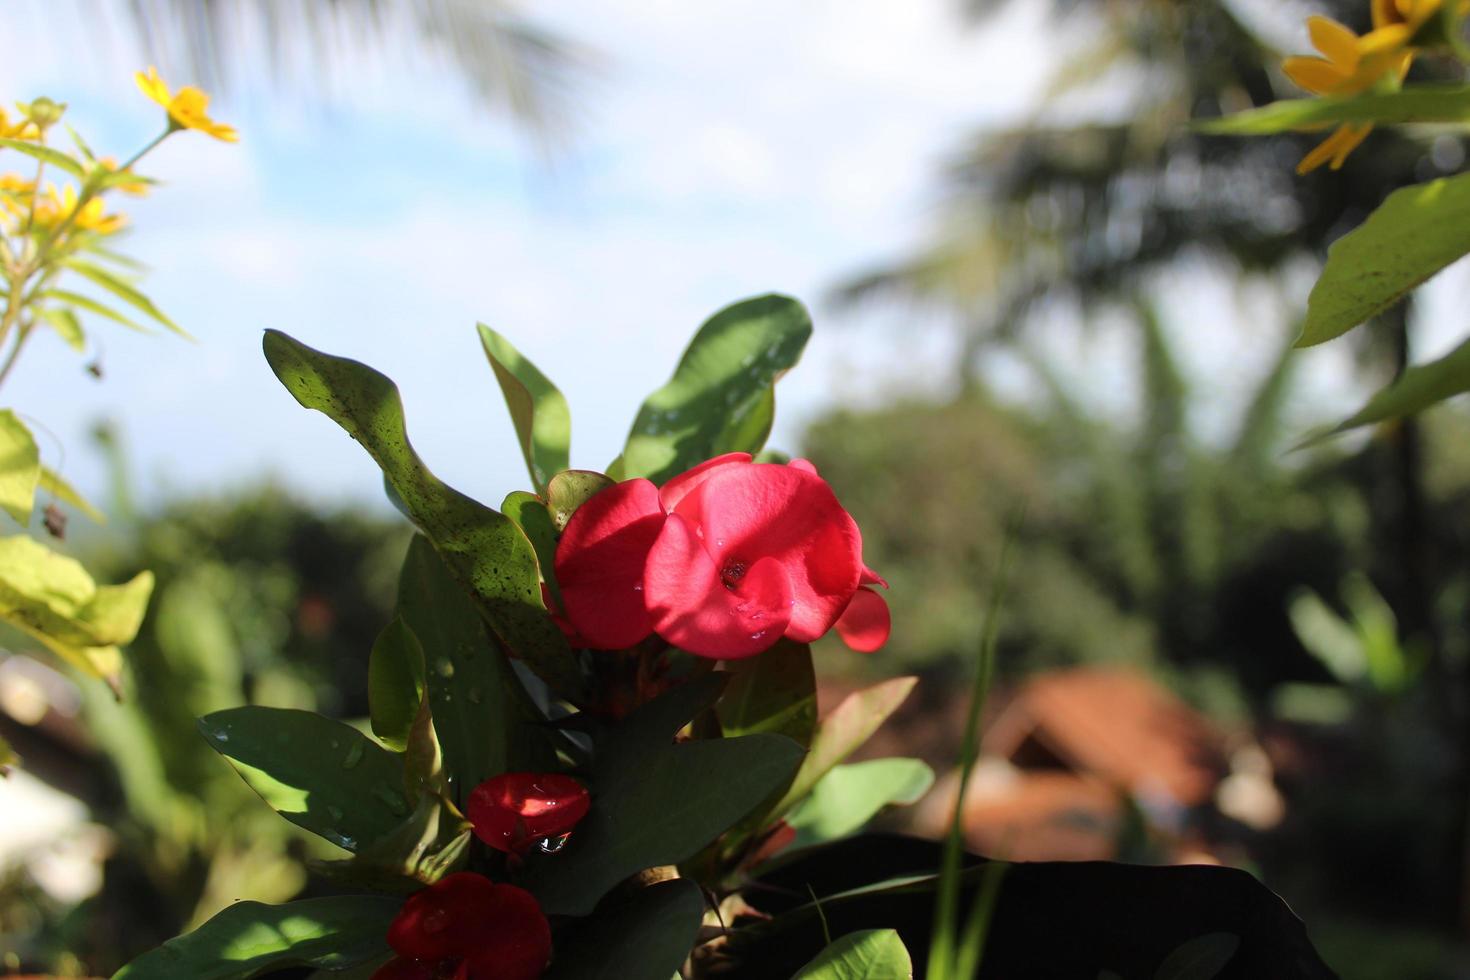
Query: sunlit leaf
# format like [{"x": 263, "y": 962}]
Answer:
[
  {"x": 20, "y": 467},
  {"x": 321, "y": 775},
  {"x": 66, "y": 325},
  {"x": 249, "y": 939},
  {"x": 52, "y": 483},
  {"x": 486, "y": 552},
  {"x": 46, "y": 154},
  {"x": 543, "y": 423},
  {"x": 92, "y": 306},
  {"x": 1421, "y": 103},
  {"x": 1413, "y": 234},
  {"x": 720, "y": 398},
  {"x": 123, "y": 291},
  {"x": 867, "y": 955},
  {"x": 395, "y": 684},
  {"x": 845, "y": 799},
  {"x": 569, "y": 490},
  {"x": 1415, "y": 390}
]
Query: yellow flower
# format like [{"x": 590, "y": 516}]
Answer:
[
  {"x": 15, "y": 194},
  {"x": 53, "y": 208},
  {"x": 189, "y": 109},
  {"x": 1351, "y": 65},
  {"x": 136, "y": 187},
  {"x": 21, "y": 129}
]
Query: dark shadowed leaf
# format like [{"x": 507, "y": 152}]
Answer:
[
  {"x": 538, "y": 410},
  {"x": 774, "y": 692},
  {"x": 249, "y": 939},
  {"x": 656, "y": 802},
  {"x": 720, "y": 399},
  {"x": 486, "y": 552},
  {"x": 873, "y": 954},
  {"x": 320, "y": 774},
  {"x": 1202, "y": 958},
  {"x": 643, "y": 937}
]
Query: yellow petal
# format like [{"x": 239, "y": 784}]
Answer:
[
  {"x": 1321, "y": 153},
  {"x": 1314, "y": 74},
  {"x": 152, "y": 86},
  {"x": 1384, "y": 40},
  {"x": 1339, "y": 44},
  {"x": 1349, "y": 139}
]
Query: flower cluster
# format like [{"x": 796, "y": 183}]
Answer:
[
  {"x": 467, "y": 927},
  {"x": 722, "y": 561},
  {"x": 1350, "y": 65}
]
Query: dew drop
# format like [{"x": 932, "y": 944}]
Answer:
[
  {"x": 550, "y": 845},
  {"x": 354, "y": 756},
  {"x": 335, "y": 812},
  {"x": 445, "y": 667},
  {"x": 221, "y": 735}
]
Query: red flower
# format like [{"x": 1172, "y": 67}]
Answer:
[
  {"x": 722, "y": 561},
  {"x": 467, "y": 927},
  {"x": 512, "y": 811}
]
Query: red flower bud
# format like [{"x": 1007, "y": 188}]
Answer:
[
  {"x": 467, "y": 927},
  {"x": 512, "y": 811}
]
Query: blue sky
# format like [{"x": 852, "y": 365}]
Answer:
[{"x": 739, "y": 149}]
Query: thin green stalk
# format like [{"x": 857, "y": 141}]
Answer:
[
  {"x": 944, "y": 958},
  {"x": 89, "y": 191},
  {"x": 20, "y": 340}
]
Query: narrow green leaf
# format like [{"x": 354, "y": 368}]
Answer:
[
  {"x": 1413, "y": 234},
  {"x": 775, "y": 692},
  {"x": 1415, "y": 390},
  {"x": 851, "y": 724},
  {"x": 67, "y": 326},
  {"x": 46, "y": 154},
  {"x": 321, "y": 775},
  {"x": 849, "y": 796},
  {"x": 648, "y": 935},
  {"x": 720, "y": 398},
  {"x": 123, "y": 291},
  {"x": 20, "y": 467},
  {"x": 81, "y": 144},
  {"x": 395, "y": 684},
  {"x": 52, "y": 483},
  {"x": 431, "y": 842},
  {"x": 1414, "y": 104},
  {"x": 1202, "y": 958},
  {"x": 658, "y": 802},
  {"x": 529, "y": 513},
  {"x": 482, "y": 718},
  {"x": 538, "y": 410},
  {"x": 249, "y": 939},
  {"x": 872, "y": 954},
  {"x": 92, "y": 306},
  {"x": 487, "y": 553}
]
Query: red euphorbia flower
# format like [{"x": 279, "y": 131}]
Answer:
[
  {"x": 722, "y": 561},
  {"x": 512, "y": 811},
  {"x": 467, "y": 927}
]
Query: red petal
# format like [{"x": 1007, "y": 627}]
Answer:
[
  {"x": 693, "y": 609},
  {"x": 442, "y": 920},
  {"x": 599, "y": 564},
  {"x": 766, "y": 510},
  {"x": 804, "y": 464},
  {"x": 680, "y": 486},
  {"x": 871, "y": 577},
  {"x": 512, "y": 811},
  {"x": 865, "y": 624},
  {"x": 514, "y": 938}
]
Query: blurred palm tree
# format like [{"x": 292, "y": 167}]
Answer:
[{"x": 508, "y": 60}]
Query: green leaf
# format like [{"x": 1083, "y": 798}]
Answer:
[
  {"x": 872, "y": 954},
  {"x": 569, "y": 490},
  {"x": 46, "y": 154},
  {"x": 1416, "y": 104},
  {"x": 484, "y": 722},
  {"x": 851, "y": 724},
  {"x": 529, "y": 513},
  {"x": 321, "y": 775},
  {"x": 52, "y": 483},
  {"x": 249, "y": 939},
  {"x": 1412, "y": 235},
  {"x": 656, "y": 802},
  {"x": 1416, "y": 389},
  {"x": 52, "y": 598},
  {"x": 8, "y": 758},
  {"x": 720, "y": 398},
  {"x": 432, "y": 842},
  {"x": 20, "y": 467},
  {"x": 542, "y": 420},
  {"x": 395, "y": 684},
  {"x": 67, "y": 326},
  {"x": 849, "y": 796},
  {"x": 647, "y": 936},
  {"x": 123, "y": 291},
  {"x": 774, "y": 692},
  {"x": 1202, "y": 958},
  {"x": 486, "y": 552},
  {"x": 92, "y": 306}
]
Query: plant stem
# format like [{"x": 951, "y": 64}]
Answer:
[{"x": 20, "y": 340}]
